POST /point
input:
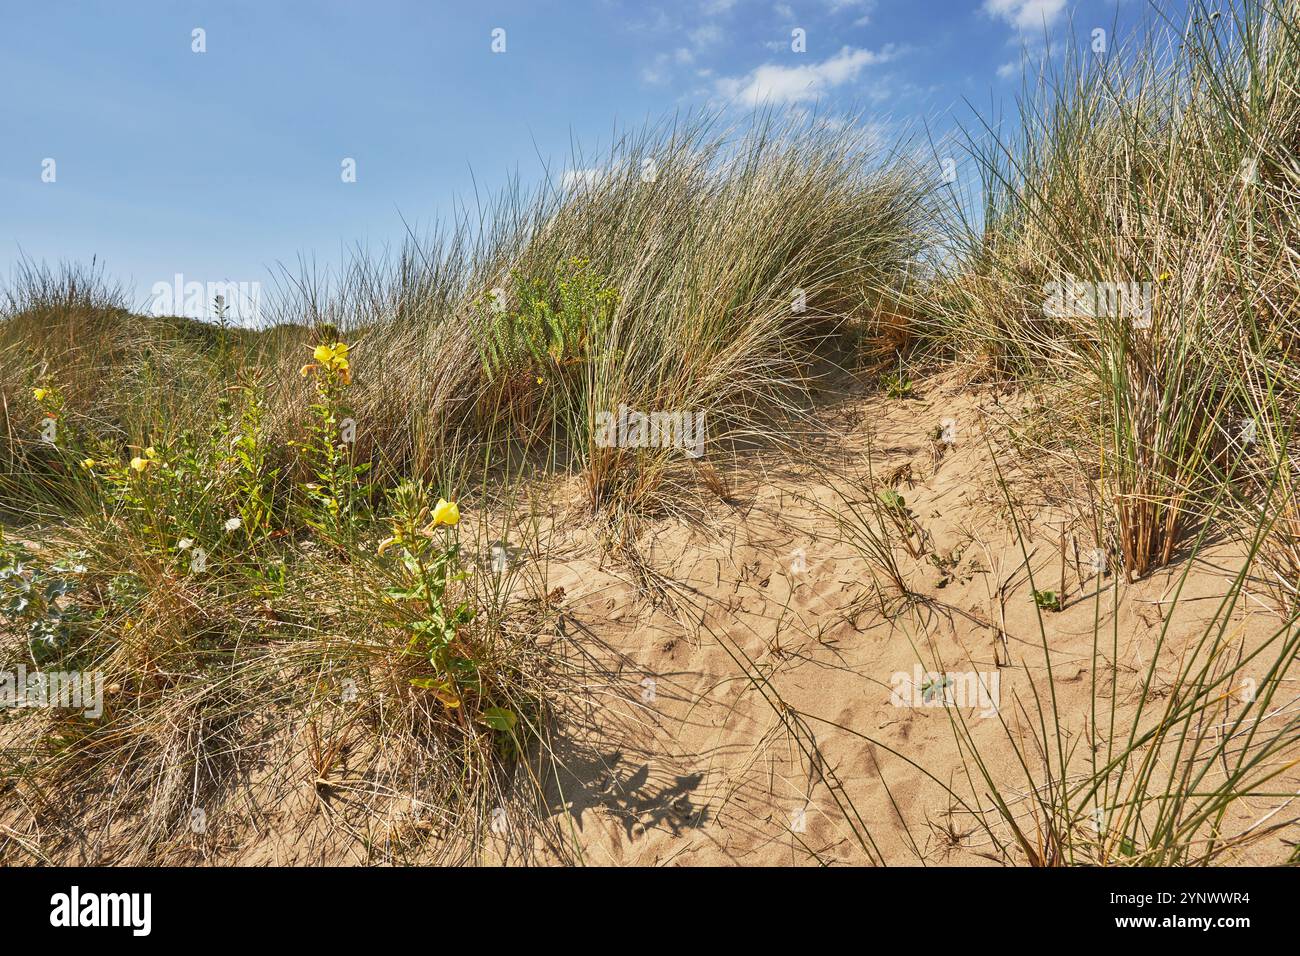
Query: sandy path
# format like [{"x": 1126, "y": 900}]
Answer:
[{"x": 703, "y": 764}]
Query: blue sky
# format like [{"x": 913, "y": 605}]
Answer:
[{"x": 217, "y": 165}]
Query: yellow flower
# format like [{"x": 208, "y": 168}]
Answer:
[
  {"x": 445, "y": 512},
  {"x": 88, "y": 463},
  {"x": 333, "y": 358},
  {"x": 1164, "y": 277},
  {"x": 40, "y": 393},
  {"x": 139, "y": 464},
  {"x": 150, "y": 452}
]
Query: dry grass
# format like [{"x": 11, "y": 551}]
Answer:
[
  {"x": 696, "y": 268},
  {"x": 479, "y": 359},
  {"x": 1171, "y": 166}
]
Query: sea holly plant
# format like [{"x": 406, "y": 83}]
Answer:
[
  {"x": 428, "y": 564},
  {"x": 336, "y": 491},
  {"x": 946, "y": 564},
  {"x": 36, "y": 597}
]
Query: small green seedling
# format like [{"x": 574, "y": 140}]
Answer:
[
  {"x": 946, "y": 565},
  {"x": 935, "y": 688},
  {"x": 897, "y": 385},
  {"x": 892, "y": 500},
  {"x": 1047, "y": 600}
]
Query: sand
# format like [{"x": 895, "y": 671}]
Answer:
[
  {"x": 753, "y": 698},
  {"x": 765, "y": 688}
]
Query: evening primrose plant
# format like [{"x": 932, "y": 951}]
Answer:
[
  {"x": 336, "y": 492},
  {"x": 200, "y": 491},
  {"x": 428, "y": 561},
  {"x": 188, "y": 568},
  {"x": 55, "y": 436},
  {"x": 671, "y": 293},
  {"x": 254, "y": 476}
]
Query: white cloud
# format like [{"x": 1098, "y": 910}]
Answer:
[
  {"x": 657, "y": 72},
  {"x": 771, "y": 83},
  {"x": 1031, "y": 60},
  {"x": 864, "y": 9},
  {"x": 705, "y": 35},
  {"x": 660, "y": 71},
  {"x": 1026, "y": 15},
  {"x": 576, "y": 180}
]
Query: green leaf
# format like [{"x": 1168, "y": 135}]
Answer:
[
  {"x": 499, "y": 718},
  {"x": 931, "y": 689},
  {"x": 892, "y": 499}
]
